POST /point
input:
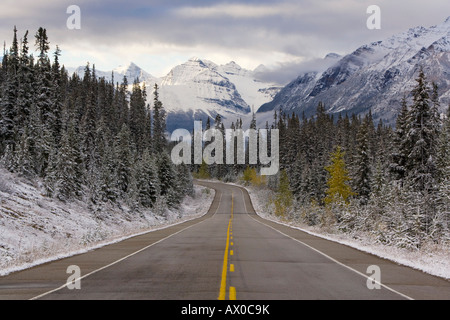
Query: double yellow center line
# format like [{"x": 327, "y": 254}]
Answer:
[{"x": 223, "y": 285}]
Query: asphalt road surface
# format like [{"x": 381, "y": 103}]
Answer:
[{"x": 228, "y": 254}]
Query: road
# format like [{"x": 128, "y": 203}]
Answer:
[{"x": 228, "y": 254}]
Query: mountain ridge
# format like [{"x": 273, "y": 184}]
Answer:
[
  {"x": 374, "y": 77},
  {"x": 199, "y": 89}
]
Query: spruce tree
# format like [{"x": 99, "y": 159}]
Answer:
[
  {"x": 186, "y": 183},
  {"x": 44, "y": 79},
  {"x": 8, "y": 103},
  {"x": 363, "y": 171},
  {"x": 167, "y": 178},
  {"x": 8, "y": 113},
  {"x": 24, "y": 159},
  {"x": 64, "y": 173},
  {"x": 147, "y": 180},
  {"x": 159, "y": 123},
  {"x": 106, "y": 185},
  {"x": 123, "y": 157},
  {"x": 443, "y": 150},
  {"x": 56, "y": 97},
  {"x": 421, "y": 138},
  {"x": 401, "y": 143},
  {"x": 218, "y": 125},
  {"x": 137, "y": 115},
  {"x": 25, "y": 97}
]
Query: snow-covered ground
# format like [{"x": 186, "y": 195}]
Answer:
[
  {"x": 35, "y": 229},
  {"x": 431, "y": 259}
]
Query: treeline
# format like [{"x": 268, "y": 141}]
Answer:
[
  {"x": 350, "y": 174},
  {"x": 414, "y": 156},
  {"x": 359, "y": 176},
  {"x": 87, "y": 138}
]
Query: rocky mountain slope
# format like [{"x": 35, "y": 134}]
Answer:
[
  {"x": 374, "y": 77},
  {"x": 198, "y": 89}
]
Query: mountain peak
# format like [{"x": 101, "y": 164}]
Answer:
[
  {"x": 125, "y": 67},
  {"x": 373, "y": 77},
  {"x": 233, "y": 64},
  {"x": 203, "y": 63},
  {"x": 129, "y": 70},
  {"x": 194, "y": 59}
]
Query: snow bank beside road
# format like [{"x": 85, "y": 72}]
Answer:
[
  {"x": 431, "y": 259},
  {"x": 35, "y": 229}
]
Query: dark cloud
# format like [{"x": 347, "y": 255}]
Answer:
[
  {"x": 283, "y": 73},
  {"x": 290, "y": 30}
]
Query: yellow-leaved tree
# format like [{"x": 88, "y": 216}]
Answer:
[
  {"x": 250, "y": 176},
  {"x": 338, "y": 188},
  {"x": 284, "y": 198}
]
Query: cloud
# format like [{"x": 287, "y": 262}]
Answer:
[
  {"x": 281, "y": 34},
  {"x": 284, "y": 72},
  {"x": 237, "y": 11}
]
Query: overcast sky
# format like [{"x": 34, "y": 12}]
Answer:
[{"x": 159, "y": 34}]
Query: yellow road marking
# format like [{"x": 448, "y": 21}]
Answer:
[
  {"x": 232, "y": 293},
  {"x": 231, "y": 267},
  {"x": 223, "y": 284}
]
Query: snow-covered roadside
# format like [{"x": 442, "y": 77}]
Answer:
[
  {"x": 35, "y": 229},
  {"x": 432, "y": 260}
]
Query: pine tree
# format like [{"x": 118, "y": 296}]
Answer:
[
  {"x": 123, "y": 156},
  {"x": 167, "y": 179},
  {"x": 120, "y": 107},
  {"x": 9, "y": 98},
  {"x": 64, "y": 173},
  {"x": 443, "y": 150},
  {"x": 401, "y": 152},
  {"x": 106, "y": 187},
  {"x": 44, "y": 80},
  {"x": 8, "y": 113},
  {"x": 44, "y": 101},
  {"x": 363, "y": 172},
  {"x": 89, "y": 126},
  {"x": 186, "y": 183},
  {"x": 147, "y": 180},
  {"x": 221, "y": 169},
  {"x": 26, "y": 89},
  {"x": 159, "y": 123},
  {"x": 56, "y": 97},
  {"x": 421, "y": 137},
  {"x": 24, "y": 159},
  {"x": 137, "y": 115}
]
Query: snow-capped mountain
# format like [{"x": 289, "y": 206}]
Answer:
[
  {"x": 374, "y": 77},
  {"x": 130, "y": 70},
  {"x": 198, "y": 89},
  {"x": 197, "y": 85},
  {"x": 133, "y": 72}
]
